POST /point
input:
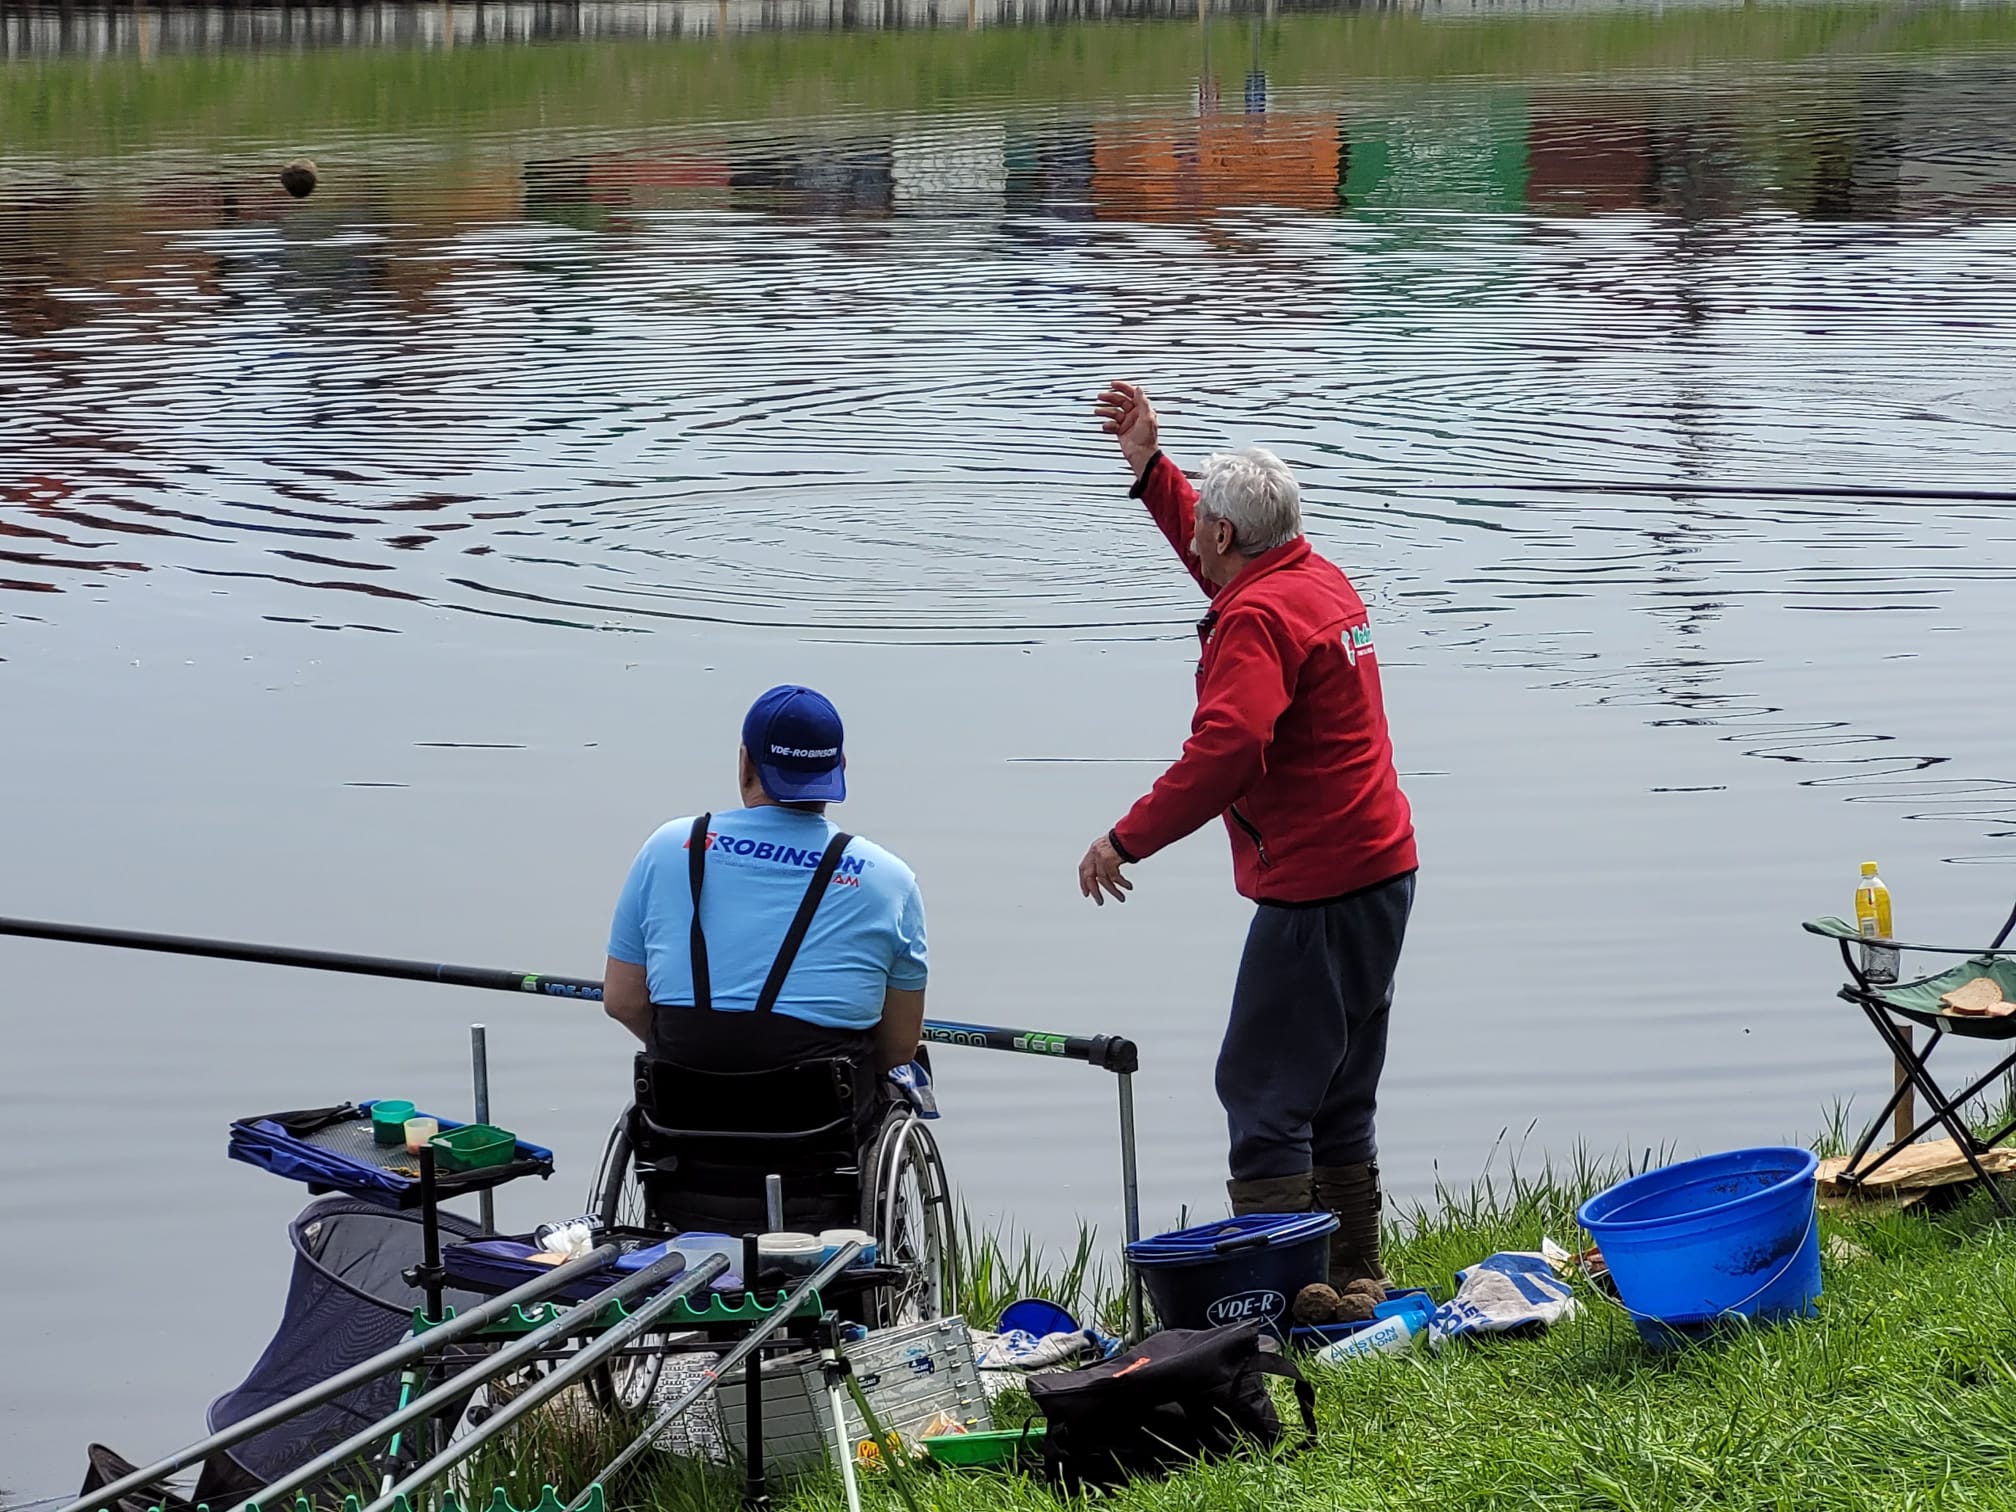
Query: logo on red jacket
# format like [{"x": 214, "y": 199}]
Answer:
[{"x": 1357, "y": 643}]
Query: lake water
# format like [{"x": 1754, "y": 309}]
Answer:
[{"x": 376, "y": 569}]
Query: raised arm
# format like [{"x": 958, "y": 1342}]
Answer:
[{"x": 1126, "y": 415}]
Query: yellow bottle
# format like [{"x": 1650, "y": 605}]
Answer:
[{"x": 1872, "y": 918}]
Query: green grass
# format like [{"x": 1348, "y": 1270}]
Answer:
[
  {"x": 996, "y": 1270},
  {"x": 1900, "y": 1395},
  {"x": 323, "y": 98}
]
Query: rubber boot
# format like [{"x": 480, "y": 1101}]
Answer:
[
  {"x": 1352, "y": 1193},
  {"x": 1273, "y": 1194}
]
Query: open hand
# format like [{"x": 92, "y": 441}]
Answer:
[
  {"x": 1126, "y": 415},
  {"x": 1099, "y": 874}
]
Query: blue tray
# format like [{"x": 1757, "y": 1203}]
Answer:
[
  {"x": 1317, "y": 1335},
  {"x": 331, "y": 1150}
]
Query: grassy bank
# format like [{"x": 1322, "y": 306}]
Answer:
[
  {"x": 73, "y": 106},
  {"x": 1900, "y": 1395}
]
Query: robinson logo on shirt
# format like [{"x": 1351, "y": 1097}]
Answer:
[{"x": 849, "y": 875}]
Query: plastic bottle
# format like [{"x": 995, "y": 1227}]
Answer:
[
  {"x": 1872, "y": 918},
  {"x": 1390, "y": 1335},
  {"x": 573, "y": 1237}
]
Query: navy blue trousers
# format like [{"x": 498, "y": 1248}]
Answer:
[{"x": 1299, "y": 1070}]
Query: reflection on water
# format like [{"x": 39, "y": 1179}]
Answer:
[
  {"x": 1650, "y": 371},
  {"x": 681, "y": 375},
  {"x": 1678, "y": 342}
]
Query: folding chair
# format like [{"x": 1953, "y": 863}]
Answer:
[{"x": 1894, "y": 1007}]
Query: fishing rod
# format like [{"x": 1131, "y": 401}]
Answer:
[
  {"x": 1662, "y": 487},
  {"x": 579, "y": 1364},
  {"x": 1107, "y": 1052},
  {"x": 712, "y": 1377},
  {"x": 460, "y": 1326},
  {"x": 577, "y": 1319}
]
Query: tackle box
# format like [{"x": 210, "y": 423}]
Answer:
[{"x": 912, "y": 1376}]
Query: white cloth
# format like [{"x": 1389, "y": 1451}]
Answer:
[
  {"x": 1503, "y": 1292},
  {"x": 1005, "y": 1357}
]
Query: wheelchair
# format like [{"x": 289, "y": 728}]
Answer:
[{"x": 853, "y": 1150}]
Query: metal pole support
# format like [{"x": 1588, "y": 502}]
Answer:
[
  {"x": 755, "y": 1486},
  {"x": 1130, "y": 1179},
  {"x": 835, "y": 1369},
  {"x": 479, "y": 1065}
]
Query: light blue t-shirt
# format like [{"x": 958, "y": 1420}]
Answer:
[{"x": 867, "y": 936}]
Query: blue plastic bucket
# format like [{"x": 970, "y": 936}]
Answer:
[
  {"x": 1735, "y": 1234},
  {"x": 1243, "y": 1270},
  {"x": 1035, "y": 1315}
]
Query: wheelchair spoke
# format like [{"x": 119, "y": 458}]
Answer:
[
  {"x": 907, "y": 1210},
  {"x": 618, "y": 1196},
  {"x": 624, "y": 1386}
]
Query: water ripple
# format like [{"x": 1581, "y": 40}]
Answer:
[{"x": 1544, "y": 356}]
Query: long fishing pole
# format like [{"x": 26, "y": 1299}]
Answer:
[
  {"x": 548, "y": 1386},
  {"x": 577, "y": 1319},
  {"x": 1680, "y": 487},
  {"x": 711, "y": 1378},
  {"x": 1108, "y": 1052},
  {"x": 461, "y": 1325}
]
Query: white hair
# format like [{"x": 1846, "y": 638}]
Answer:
[{"x": 1254, "y": 492}]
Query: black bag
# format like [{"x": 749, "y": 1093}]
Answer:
[
  {"x": 1177, "y": 1396},
  {"x": 221, "y": 1482}
]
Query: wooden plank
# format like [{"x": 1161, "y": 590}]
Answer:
[{"x": 1929, "y": 1163}]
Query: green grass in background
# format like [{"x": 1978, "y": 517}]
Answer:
[{"x": 93, "y": 107}]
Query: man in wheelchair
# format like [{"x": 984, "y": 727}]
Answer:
[{"x": 774, "y": 968}]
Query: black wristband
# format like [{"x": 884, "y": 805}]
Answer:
[
  {"x": 1113, "y": 839},
  {"x": 1141, "y": 483}
]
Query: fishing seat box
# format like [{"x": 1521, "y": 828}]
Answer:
[{"x": 910, "y": 1375}]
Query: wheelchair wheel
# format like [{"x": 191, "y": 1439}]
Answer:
[
  {"x": 617, "y": 1197},
  {"x": 906, "y": 1203},
  {"x": 624, "y": 1387}
]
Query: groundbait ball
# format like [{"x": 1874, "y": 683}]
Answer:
[
  {"x": 299, "y": 178},
  {"x": 1355, "y": 1307},
  {"x": 1316, "y": 1304}
]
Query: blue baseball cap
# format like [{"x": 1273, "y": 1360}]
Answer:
[{"x": 793, "y": 736}]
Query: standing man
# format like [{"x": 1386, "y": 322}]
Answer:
[{"x": 1289, "y": 744}]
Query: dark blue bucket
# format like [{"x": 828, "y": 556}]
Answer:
[
  {"x": 1726, "y": 1235},
  {"x": 1242, "y": 1270}
]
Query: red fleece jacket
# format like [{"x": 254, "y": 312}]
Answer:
[{"x": 1289, "y": 741}]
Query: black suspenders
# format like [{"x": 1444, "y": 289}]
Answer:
[
  {"x": 696, "y": 863},
  {"x": 794, "y": 937}
]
